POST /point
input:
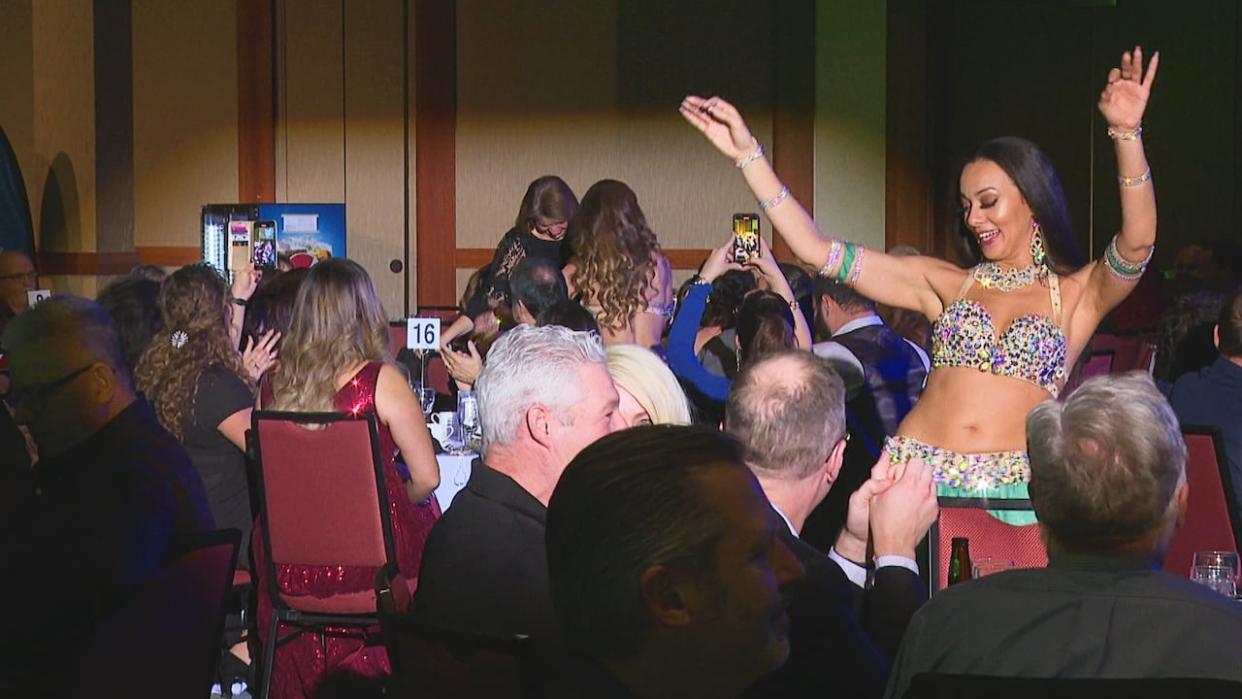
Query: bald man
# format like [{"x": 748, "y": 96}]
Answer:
[{"x": 17, "y": 276}]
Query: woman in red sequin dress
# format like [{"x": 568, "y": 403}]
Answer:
[{"x": 333, "y": 358}]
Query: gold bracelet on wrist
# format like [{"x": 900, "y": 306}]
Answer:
[{"x": 1134, "y": 135}]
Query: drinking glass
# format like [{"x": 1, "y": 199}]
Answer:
[
  {"x": 426, "y": 399},
  {"x": 1218, "y": 578},
  {"x": 468, "y": 419},
  {"x": 988, "y": 565},
  {"x": 1219, "y": 559}
]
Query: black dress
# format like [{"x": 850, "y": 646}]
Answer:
[
  {"x": 515, "y": 246},
  {"x": 219, "y": 462}
]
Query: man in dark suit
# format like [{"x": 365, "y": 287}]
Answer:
[
  {"x": 1108, "y": 482},
  {"x": 788, "y": 411},
  {"x": 667, "y": 573},
  {"x": 544, "y": 394},
  {"x": 884, "y": 375}
]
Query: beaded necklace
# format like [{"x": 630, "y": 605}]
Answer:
[{"x": 992, "y": 276}]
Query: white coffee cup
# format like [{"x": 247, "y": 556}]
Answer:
[{"x": 443, "y": 426}]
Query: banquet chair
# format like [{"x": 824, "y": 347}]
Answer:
[
  {"x": 935, "y": 685},
  {"x": 1129, "y": 348},
  {"x": 338, "y": 517},
  {"x": 989, "y": 537},
  {"x": 433, "y": 661},
  {"x": 174, "y": 622},
  {"x": 1211, "y": 518}
]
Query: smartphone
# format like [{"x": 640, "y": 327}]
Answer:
[
  {"x": 265, "y": 245},
  {"x": 240, "y": 245},
  {"x": 745, "y": 237}
]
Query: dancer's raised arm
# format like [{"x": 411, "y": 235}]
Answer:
[
  {"x": 918, "y": 283},
  {"x": 1122, "y": 104}
]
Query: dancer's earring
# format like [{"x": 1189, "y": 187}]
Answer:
[{"x": 1039, "y": 253}]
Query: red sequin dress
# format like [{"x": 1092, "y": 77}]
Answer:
[{"x": 301, "y": 663}]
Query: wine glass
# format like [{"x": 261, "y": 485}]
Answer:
[
  {"x": 988, "y": 565},
  {"x": 1219, "y": 559}
]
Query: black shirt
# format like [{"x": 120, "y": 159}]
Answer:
[
  {"x": 515, "y": 246},
  {"x": 220, "y": 464},
  {"x": 485, "y": 566}
]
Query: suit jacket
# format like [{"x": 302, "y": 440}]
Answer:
[
  {"x": 485, "y": 565},
  {"x": 831, "y": 652},
  {"x": 1080, "y": 617}
]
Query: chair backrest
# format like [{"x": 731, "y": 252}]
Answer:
[
  {"x": 1211, "y": 518},
  {"x": 934, "y": 685},
  {"x": 1130, "y": 350},
  {"x": 432, "y": 661},
  {"x": 1099, "y": 363},
  {"x": 174, "y": 622},
  {"x": 397, "y": 336},
  {"x": 321, "y": 484},
  {"x": 989, "y": 537},
  {"x": 438, "y": 375}
]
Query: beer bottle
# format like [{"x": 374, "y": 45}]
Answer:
[{"x": 959, "y": 561}]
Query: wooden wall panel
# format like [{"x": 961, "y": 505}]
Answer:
[
  {"x": 434, "y": 151},
  {"x": 256, "y": 102},
  {"x": 17, "y": 116},
  {"x": 185, "y": 117},
  {"x": 910, "y": 80},
  {"x": 310, "y": 133},
  {"x": 374, "y": 143},
  {"x": 849, "y": 119}
]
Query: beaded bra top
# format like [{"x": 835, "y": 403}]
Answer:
[{"x": 1032, "y": 348}]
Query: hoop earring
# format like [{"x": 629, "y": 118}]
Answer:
[{"x": 1039, "y": 253}]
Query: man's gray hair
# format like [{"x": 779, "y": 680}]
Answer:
[
  {"x": 63, "y": 321},
  {"x": 1105, "y": 464},
  {"x": 788, "y": 410},
  {"x": 529, "y": 366}
]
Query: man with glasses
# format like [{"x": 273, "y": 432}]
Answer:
[
  {"x": 17, "y": 276},
  {"x": 111, "y": 497}
]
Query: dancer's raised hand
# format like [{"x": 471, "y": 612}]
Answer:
[
  {"x": 721, "y": 123},
  {"x": 1124, "y": 98}
]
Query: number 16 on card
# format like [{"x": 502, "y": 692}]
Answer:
[{"x": 422, "y": 333}]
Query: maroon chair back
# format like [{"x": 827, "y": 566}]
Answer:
[
  {"x": 989, "y": 537},
  {"x": 1099, "y": 363},
  {"x": 1130, "y": 350},
  {"x": 397, "y": 335},
  {"x": 438, "y": 375},
  {"x": 1211, "y": 518},
  {"x": 321, "y": 482},
  {"x": 174, "y": 622}
]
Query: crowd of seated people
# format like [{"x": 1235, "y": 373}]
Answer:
[{"x": 689, "y": 504}]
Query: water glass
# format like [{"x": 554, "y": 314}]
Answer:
[
  {"x": 1219, "y": 559},
  {"x": 426, "y": 399},
  {"x": 1218, "y": 578},
  {"x": 468, "y": 419},
  {"x": 988, "y": 565}
]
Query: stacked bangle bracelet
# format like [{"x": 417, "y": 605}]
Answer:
[
  {"x": 1121, "y": 268},
  {"x": 835, "y": 247},
  {"x": 1134, "y": 181}
]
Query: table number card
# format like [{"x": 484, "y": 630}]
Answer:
[
  {"x": 422, "y": 333},
  {"x": 33, "y": 298}
]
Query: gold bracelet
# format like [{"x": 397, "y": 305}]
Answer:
[
  {"x": 1134, "y": 135},
  {"x": 1134, "y": 181}
]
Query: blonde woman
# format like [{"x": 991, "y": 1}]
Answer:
[
  {"x": 333, "y": 359},
  {"x": 617, "y": 270},
  {"x": 650, "y": 394}
]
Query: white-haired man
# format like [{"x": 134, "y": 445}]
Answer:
[
  {"x": 1108, "y": 482},
  {"x": 544, "y": 395}
]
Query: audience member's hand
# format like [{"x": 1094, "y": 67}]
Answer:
[
  {"x": 259, "y": 357},
  {"x": 719, "y": 262},
  {"x": 771, "y": 271},
  {"x": 721, "y": 123},
  {"x": 852, "y": 541},
  {"x": 463, "y": 367},
  {"x": 902, "y": 514},
  {"x": 244, "y": 283}
]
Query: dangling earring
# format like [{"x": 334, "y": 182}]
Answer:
[{"x": 1039, "y": 254}]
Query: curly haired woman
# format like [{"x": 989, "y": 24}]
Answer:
[
  {"x": 193, "y": 375},
  {"x": 617, "y": 269}
]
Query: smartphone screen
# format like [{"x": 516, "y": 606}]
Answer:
[
  {"x": 240, "y": 244},
  {"x": 265, "y": 245},
  {"x": 745, "y": 237}
]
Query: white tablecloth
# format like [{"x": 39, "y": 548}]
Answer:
[{"x": 454, "y": 472}]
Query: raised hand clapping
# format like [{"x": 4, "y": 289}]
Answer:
[{"x": 1124, "y": 98}]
